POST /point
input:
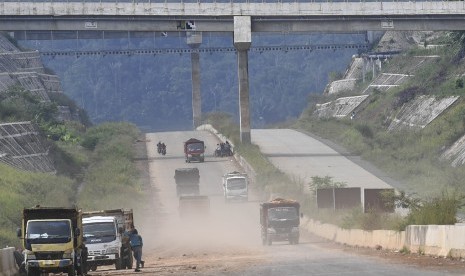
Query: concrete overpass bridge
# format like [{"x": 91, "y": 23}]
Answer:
[{"x": 240, "y": 19}]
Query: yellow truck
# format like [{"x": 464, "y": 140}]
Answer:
[{"x": 52, "y": 241}]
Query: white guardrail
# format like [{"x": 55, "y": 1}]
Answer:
[
  {"x": 436, "y": 240},
  {"x": 7, "y": 262}
]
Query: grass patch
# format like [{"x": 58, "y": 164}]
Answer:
[
  {"x": 103, "y": 176},
  {"x": 20, "y": 189}
]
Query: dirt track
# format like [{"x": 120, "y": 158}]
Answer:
[{"x": 227, "y": 242}]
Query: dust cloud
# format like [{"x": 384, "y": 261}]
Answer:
[{"x": 225, "y": 227}]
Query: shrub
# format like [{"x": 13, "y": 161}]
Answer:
[
  {"x": 459, "y": 83},
  {"x": 405, "y": 96},
  {"x": 440, "y": 210}
]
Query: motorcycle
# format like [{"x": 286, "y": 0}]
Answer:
[{"x": 222, "y": 151}]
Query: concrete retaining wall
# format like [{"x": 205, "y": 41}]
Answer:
[
  {"x": 439, "y": 240},
  {"x": 340, "y": 86},
  {"x": 7, "y": 262},
  {"x": 388, "y": 239},
  {"x": 436, "y": 240},
  {"x": 418, "y": 113}
]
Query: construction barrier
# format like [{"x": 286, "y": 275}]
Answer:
[{"x": 7, "y": 262}]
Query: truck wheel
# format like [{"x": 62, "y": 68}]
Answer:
[
  {"x": 294, "y": 240},
  {"x": 118, "y": 264},
  {"x": 71, "y": 271},
  {"x": 129, "y": 260},
  {"x": 32, "y": 272},
  {"x": 93, "y": 268}
]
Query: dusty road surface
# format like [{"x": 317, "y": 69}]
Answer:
[{"x": 227, "y": 240}]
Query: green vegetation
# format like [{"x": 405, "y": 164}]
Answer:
[
  {"x": 111, "y": 180},
  {"x": 19, "y": 189},
  {"x": 95, "y": 168},
  {"x": 411, "y": 157},
  {"x": 98, "y": 178}
]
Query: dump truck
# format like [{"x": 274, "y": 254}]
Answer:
[
  {"x": 52, "y": 240},
  {"x": 194, "y": 206},
  {"x": 187, "y": 181},
  {"x": 235, "y": 186},
  {"x": 280, "y": 220},
  {"x": 106, "y": 240},
  {"x": 194, "y": 150}
]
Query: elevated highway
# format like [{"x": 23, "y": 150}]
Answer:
[{"x": 219, "y": 17}]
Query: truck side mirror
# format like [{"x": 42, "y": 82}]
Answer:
[
  {"x": 18, "y": 232},
  {"x": 77, "y": 231},
  {"x": 120, "y": 230}
]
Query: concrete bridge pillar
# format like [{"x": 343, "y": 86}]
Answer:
[
  {"x": 242, "y": 42},
  {"x": 194, "y": 39}
]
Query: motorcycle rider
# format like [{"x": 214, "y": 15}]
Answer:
[
  {"x": 163, "y": 148},
  {"x": 159, "y": 147}
]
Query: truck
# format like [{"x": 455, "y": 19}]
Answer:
[
  {"x": 194, "y": 206},
  {"x": 106, "y": 240},
  {"x": 235, "y": 186},
  {"x": 194, "y": 150},
  {"x": 280, "y": 220},
  {"x": 52, "y": 240},
  {"x": 187, "y": 181}
]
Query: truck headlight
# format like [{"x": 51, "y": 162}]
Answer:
[
  {"x": 112, "y": 250},
  {"x": 30, "y": 256},
  {"x": 295, "y": 229},
  {"x": 271, "y": 231},
  {"x": 68, "y": 254}
]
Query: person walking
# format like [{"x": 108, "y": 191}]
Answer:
[{"x": 136, "y": 245}]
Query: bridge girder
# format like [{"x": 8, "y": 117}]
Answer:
[{"x": 259, "y": 24}]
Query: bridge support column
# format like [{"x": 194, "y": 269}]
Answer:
[
  {"x": 194, "y": 39},
  {"x": 242, "y": 42}
]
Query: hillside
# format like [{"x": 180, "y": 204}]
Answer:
[{"x": 403, "y": 112}]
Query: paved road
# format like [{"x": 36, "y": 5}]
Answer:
[
  {"x": 228, "y": 241},
  {"x": 302, "y": 156}
]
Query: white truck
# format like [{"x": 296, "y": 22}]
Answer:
[
  {"x": 106, "y": 241},
  {"x": 235, "y": 186}
]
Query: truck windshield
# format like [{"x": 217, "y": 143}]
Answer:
[
  {"x": 282, "y": 213},
  {"x": 236, "y": 184},
  {"x": 99, "y": 232},
  {"x": 43, "y": 232},
  {"x": 195, "y": 147}
]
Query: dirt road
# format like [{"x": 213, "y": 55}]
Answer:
[{"x": 227, "y": 241}]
